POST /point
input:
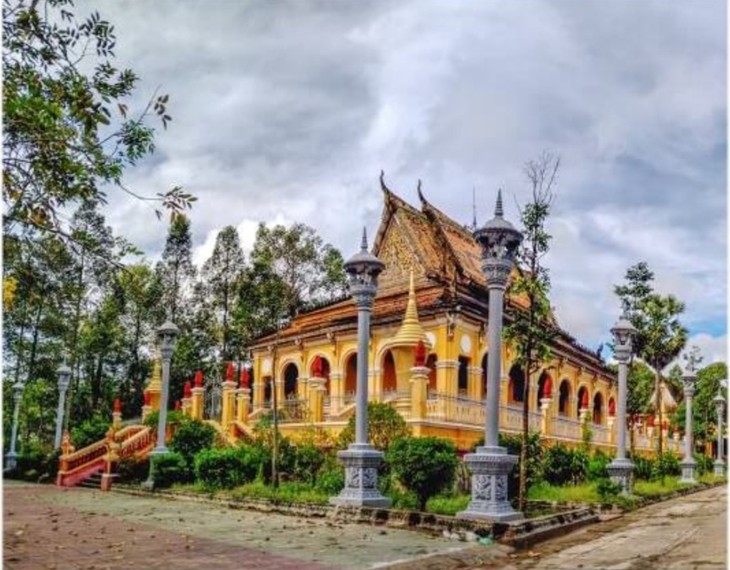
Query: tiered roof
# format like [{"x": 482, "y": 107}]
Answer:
[{"x": 445, "y": 261}]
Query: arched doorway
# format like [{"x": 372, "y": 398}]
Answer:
[
  {"x": 516, "y": 385},
  {"x": 267, "y": 390},
  {"x": 564, "y": 398},
  {"x": 390, "y": 382},
  {"x": 598, "y": 408},
  {"x": 350, "y": 377},
  {"x": 291, "y": 378},
  {"x": 431, "y": 364}
]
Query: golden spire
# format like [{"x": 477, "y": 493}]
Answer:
[
  {"x": 411, "y": 331},
  {"x": 155, "y": 383}
]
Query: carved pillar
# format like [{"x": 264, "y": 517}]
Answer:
[
  {"x": 419, "y": 391},
  {"x": 545, "y": 419},
  {"x": 243, "y": 401},
  {"x": 317, "y": 392},
  {"x": 198, "y": 395},
  {"x": 337, "y": 396}
]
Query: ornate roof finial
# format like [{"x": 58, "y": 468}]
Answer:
[
  {"x": 383, "y": 187},
  {"x": 364, "y": 244},
  {"x": 410, "y": 331},
  {"x": 498, "y": 211}
]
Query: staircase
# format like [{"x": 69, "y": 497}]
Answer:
[{"x": 85, "y": 466}]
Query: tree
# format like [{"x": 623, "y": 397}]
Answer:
[
  {"x": 310, "y": 270},
  {"x": 385, "y": 426},
  {"x": 67, "y": 133},
  {"x": 176, "y": 269},
  {"x": 531, "y": 330},
  {"x": 223, "y": 272},
  {"x": 664, "y": 338},
  {"x": 424, "y": 465},
  {"x": 139, "y": 292}
]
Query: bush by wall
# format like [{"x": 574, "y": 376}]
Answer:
[
  {"x": 423, "y": 465},
  {"x": 597, "y": 466},
  {"x": 90, "y": 431},
  {"x": 133, "y": 470},
  {"x": 666, "y": 465},
  {"x": 226, "y": 468},
  {"x": 563, "y": 465},
  {"x": 191, "y": 437},
  {"x": 169, "y": 469}
]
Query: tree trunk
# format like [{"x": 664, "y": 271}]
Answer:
[
  {"x": 34, "y": 345},
  {"x": 658, "y": 406},
  {"x": 522, "y": 494}
]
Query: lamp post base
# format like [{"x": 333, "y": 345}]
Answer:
[
  {"x": 620, "y": 471},
  {"x": 361, "y": 462},
  {"x": 490, "y": 467},
  {"x": 719, "y": 466},
  {"x": 11, "y": 461},
  {"x": 688, "y": 471}
]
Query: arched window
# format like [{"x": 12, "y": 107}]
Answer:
[
  {"x": 351, "y": 376},
  {"x": 516, "y": 384},
  {"x": 611, "y": 407},
  {"x": 564, "y": 401},
  {"x": 582, "y": 399},
  {"x": 544, "y": 386},
  {"x": 485, "y": 365},
  {"x": 598, "y": 409},
  {"x": 267, "y": 389},
  {"x": 431, "y": 363},
  {"x": 291, "y": 377},
  {"x": 463, "y": 375},
  {"x": 324, "y": 371},
  {"x": 390, "y": 383}
]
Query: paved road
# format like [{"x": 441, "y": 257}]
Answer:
[
  {"x": 59, "y": 529},
  {"x": 689, "y": 533},
  {"x": 47, "y": 528}
]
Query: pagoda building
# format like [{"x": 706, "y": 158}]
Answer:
[{"x": 433, "y": 291}]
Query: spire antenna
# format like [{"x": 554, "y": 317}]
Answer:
[
  {"x": 364, "y": 244},
  {"x": 498, "y": 211},
  {"x": 474, "y": 207}
]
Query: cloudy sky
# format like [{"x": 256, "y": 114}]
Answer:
[{"x": 286, "y": 111}]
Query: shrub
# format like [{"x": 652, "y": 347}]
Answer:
[
  {"x": 133, "y": 470},
  {"x": 424, "y": 465},
  {"x": 597, "y": 466},
  {"x": 513, "y": 443},
  {"x": 608, "y": 490},
  {"x": 174, "y": 418},
  {"x": 191, "y": 437},
  {"x": 226, "y": 468},
  {"x": 564, "y": 466},
  {"x": 666, "y": 465},
  {"x": 308, "y": 459},
  {"x": 90, "y": 431},
  {"x": 705, "y": 464},
  {"x": 385, "y": 426},
  {"x": 643, "y": 468},
  {"x": 330, "y": 481},
  {"x": 169, "y": 469}
]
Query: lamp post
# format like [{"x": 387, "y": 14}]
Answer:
[
  {"x": 720, "y": 409},
  {"x": 620, "y": 469},
  {"x": 11, "y": 458},
  {"x": 688, "y": 463},
  {"x": 491, "y": 465},
  {"x": 360, "y": 459},
  {"x": 166, "y": 339},
  {"x": 64, "y": 376}
]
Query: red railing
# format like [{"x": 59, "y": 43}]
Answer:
[{"x": 76, "y": 466}]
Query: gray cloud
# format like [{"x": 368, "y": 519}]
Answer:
[{"x": 289, "y": 110}]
